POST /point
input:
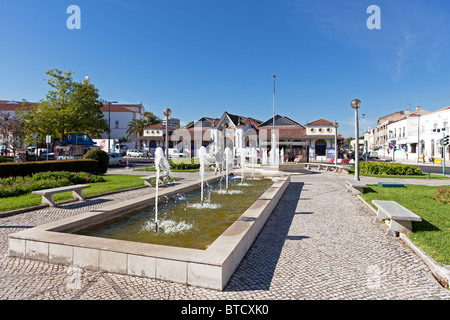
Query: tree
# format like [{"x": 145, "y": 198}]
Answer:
[
  {"x": 69, "y": 107},
  {"x": 11, "y": 130},
  {"x": 152, "y": 119},
  {"x": 136, "y": 127}
]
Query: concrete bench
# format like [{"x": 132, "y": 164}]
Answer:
[
  {"x": 162, "y": 179},
  {"x": 356, "y": 187},
  {"x": 47, "y": 194},
  {"x": 401, "y": 218}
]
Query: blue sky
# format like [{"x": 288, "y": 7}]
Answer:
[{"x": 204, "y": 57}]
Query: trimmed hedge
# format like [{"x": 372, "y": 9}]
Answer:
[
  {"x": 23, "y": 169},
  {"x": 102, "y": 158},
  {"x": 386, "y": 168},
  {"x": 183, "y": 166}
]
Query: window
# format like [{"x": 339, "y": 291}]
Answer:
[{"x": 117, "y": 124}]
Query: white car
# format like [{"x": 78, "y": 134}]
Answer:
[
  {"x": 175, "y": 153},
  {"x": 115, "y": 159},
  {"x": 135, "y": 153}
]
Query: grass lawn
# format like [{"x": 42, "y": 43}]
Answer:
[
  {"x": 113, "y": 183},
  {"x": 432, "y": 235},
  {"x": 423, "y": 176}
]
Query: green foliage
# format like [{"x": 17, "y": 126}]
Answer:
[
  {"x": 14, "y": 186},
  {"x": 69, "y": 107},
  {"x": 22, "y": 169},
  {"x": 442, "y": 194},
  {"x": 384, "y": 168},
  {"x": 102, "y": 158},
  {"x": 183, "y": 166}
]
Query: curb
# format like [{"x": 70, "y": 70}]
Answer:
[{"x": 441, "y": 272}]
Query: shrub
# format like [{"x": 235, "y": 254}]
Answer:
[
  {"x": 183, "y": 166},
  {"x": 102, "y": 158},
  {"x": 14, "y": 186},
  {"x": 442, "y": 194},
  {"x": 22, "y": 169},
  {"x": 383, "y": 168}
]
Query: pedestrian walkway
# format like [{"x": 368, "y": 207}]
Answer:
[{"x": 319, "y": 243}]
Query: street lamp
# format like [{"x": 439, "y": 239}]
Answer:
[
  {"x": 336, "y": 151},
  {"x": 272, "y": 145},
  {"x": 167, "y": 113},
  {"x": 109, "y": 122},
  {"x": 356, "y": 104}
]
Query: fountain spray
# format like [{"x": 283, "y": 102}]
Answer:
[
  {"x": 228, "y": 159},
  {"x": 203, "y": 161},
  {"x": 160, "y": 162}
]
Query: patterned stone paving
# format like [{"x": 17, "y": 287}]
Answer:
[{"x": 320, "y": 243}]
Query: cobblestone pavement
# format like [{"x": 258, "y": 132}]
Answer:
[{"x": 319, "y": 243}]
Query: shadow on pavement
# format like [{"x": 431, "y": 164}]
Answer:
[{"x": 258, "y": 266}]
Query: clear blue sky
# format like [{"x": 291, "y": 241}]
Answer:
[{"x": 204, "y": 57}]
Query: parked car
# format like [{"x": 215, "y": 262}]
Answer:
[
  {"x": 175, "y": 153},
  {"x": 115, "y": 159},
  {"x": 135, "y": 153},
  {"x": 45, "y": 153},
  {"x": 373, "y": 155}
]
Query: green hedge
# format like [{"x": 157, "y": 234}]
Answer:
[
  {"x": 386, "y": 168},
  {"x": 23, "y": 169},
  {"x": 183, "y": 166},
  {"x": 102, "y": 158}
]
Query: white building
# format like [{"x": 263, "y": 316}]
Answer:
[
  {"x": 414, "y": 136},
  {"x": 433, "y": 127},
  {"x": 120, "y": 116},
  {"x": 173, "y": 122}
]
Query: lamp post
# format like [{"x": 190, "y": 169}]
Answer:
[
  {"x": 272, "y": 145},
  {"x": 336, "y": 151},
  {"x": 109, "y": 124},
  {"x": 167, "y": 113},
  {"x": 356, "y": 104}
]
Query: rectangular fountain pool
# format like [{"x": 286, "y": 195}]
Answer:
[
  {"x": 210, "y": 266},
  {"x": 184, "y": 220}
]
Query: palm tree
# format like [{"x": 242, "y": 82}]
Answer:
[{"x": 136, "y": 127}]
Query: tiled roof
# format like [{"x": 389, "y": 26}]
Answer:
[
  {"x": 320, "y": 122},
  {"x": 119, "y": 108}
]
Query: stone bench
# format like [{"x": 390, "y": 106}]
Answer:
[
  {"x": 47, "y": 194},
  {"x": 401, "y": 218},
  {"x": 162, "y": 179},
  {"x": 356, "y": 187}
]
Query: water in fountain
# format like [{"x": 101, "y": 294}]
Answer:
[
  {"x": 253, "y": 157},
  {"x": 282, "y": 156},
  {"x": 228, "y": 161},
  {"x": 160, "y": 163},
  {"x": 203, "y": 158},
  {"x": 264, "y": 159},
  {"x": 242, "y": 165}
]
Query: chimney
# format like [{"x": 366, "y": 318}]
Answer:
[
  {"x": 407, "y": 111},
  {"x": 418, "y": 108}
]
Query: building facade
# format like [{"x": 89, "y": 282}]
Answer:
[
  {"x": 314, "y": 141},
  {"x": 411, "y": 136}
]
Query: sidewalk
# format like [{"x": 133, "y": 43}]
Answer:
[{"x": 319, "y": 243}]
